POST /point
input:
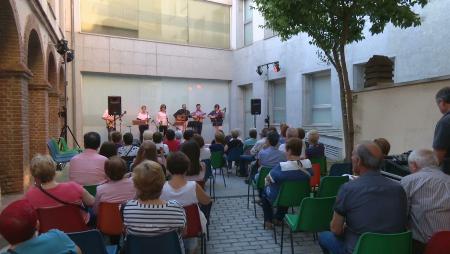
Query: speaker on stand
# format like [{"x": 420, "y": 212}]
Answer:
[{"x": 255, "y": 108}]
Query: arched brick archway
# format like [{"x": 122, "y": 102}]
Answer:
[
  {"x": 14, "y": 125},
  {"x": 53, "y": 97},
  {"x": 38, "y": 95}
]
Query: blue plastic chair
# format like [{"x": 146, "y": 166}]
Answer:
[
  {"x": 165, "y": 243},
  {"x": 338, "y": 169},
  {"x": 91, "y": 241},
  {"x": 60, "y": 159},
  {"x": 234, "y": 154}
]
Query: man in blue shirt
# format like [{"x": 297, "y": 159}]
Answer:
[
  {"x": 371, "y": 203},
  {"x": 441, "y": 141},
  {"x": 18, "y": 225}
]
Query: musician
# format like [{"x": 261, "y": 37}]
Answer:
[
  {"x": 109, "y": 120},
  {"x": 181, "y": 117},
  {"x": 143, "y": 115},
  {"x": 162, "y": 119},
  {"x": 198, "y": 115},
  {"x": 216, "y": 117}
]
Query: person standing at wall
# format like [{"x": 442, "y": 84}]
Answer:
[{"x": 441, "y": 142}]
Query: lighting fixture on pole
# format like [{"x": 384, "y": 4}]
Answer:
[{"x": 260, "y": 71}]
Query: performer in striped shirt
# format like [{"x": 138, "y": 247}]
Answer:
[{"x": 148, "y": 215}]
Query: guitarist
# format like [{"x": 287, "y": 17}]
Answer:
[
  {"x": 181, "y": 117},
  {"x": 109, "y": 119},
  {"x": 216, "y": 117},
  {"x": 198, "y": 115}
]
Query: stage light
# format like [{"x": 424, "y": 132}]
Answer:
[
  {"x": 70, "y": 56},
  {"x": 276, "y": 67},
  {"x": 62, "y": 47},
  {"x": 259, "y": 70}
]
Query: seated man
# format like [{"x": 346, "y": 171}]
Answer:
[
  {"x": 293, "y": 169},
  {"x": 371, "y": 203},
  {"x": 88, "y": 167},
  {"x": 428, "y": 192},
  {"x": 18, "y": 225}
]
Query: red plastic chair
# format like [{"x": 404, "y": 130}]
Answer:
[
  {"x": 66, "y": 218},
  {"x": 109, "y": 220},
  {"x": 194, "y": 226},
  {"x": 439, "y": 243},
  {"x": 314, "y": 181}
]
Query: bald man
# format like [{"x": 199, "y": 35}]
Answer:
[{"x": 371, "y": 203}]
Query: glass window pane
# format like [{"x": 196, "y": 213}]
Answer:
[
  {"x": 248, "y": 11},
  {"x": 209, "y": 24},
  {"x": 279, "y": 116},
  {"x": 248, "y": 33},
  {"x": 321, "y": 89},
  {"x": 321, "y": 115}
]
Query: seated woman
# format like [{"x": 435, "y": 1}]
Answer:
[
  {"x": 43, "y": 169},
  {"x": 314, "y": 149},
  {"x": 283, "y": 129},
  {"x": 294, "y": 169},
  {"x": 184, "y": 192},
  {"x": 108, "y": 149},
  {"x": 147, "y": 135},
  {"x": 119, "y": 188},
  {"x": 384, "y": 145},
  {"x": 196, "y": 170},
  {"x": 205, "y": 153},
  {"x": 149, "y": 215},
  {"x": 148, "y": 151},
  {"x": 171, "y": 142},
  {"x": 128, "y": 150},
  {"x": 234, "y": 141},
  {"x": 158, "y": 140},
  {"x": 219, "y": 143},
  {"x": 18, "y": 223}
]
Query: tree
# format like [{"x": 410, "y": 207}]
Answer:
[{"x": 331, "y": 25}]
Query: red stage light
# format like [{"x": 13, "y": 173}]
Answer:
[{"x": 276, "y": 67}]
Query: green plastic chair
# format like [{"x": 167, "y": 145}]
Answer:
[
  {"x": 375, "y": 243},
  {"x": 92, "y": 189},
  {"x": 65, "y": 148},
  {"x": 218, "y": 162},
  {"x": 291, "y": 194},
  {"x": 259, "y": 184},
  {"x": 313, "y": 216},
  {"x": 59, "y": 151},
  {"x": 329, "y": 186},
  {"x": 323, "y": 164}
]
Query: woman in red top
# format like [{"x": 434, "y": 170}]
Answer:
[
  {"x": 43, "y": 169},
  {"x": 171, "y": 142}
]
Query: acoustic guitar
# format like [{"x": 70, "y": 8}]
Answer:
[{"x": 110, "y": 122}]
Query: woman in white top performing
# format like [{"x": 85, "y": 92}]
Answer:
[
  {"x": 143, "y": 115},
  {"x": 161, "y": 119}
]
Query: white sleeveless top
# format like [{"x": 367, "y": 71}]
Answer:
[{"x": 185, "y": 195}]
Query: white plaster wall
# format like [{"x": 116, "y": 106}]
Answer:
[{"x": 406, "y": 115}]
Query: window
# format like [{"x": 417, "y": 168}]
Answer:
[
  {"x": 277, "y": 101},
  {"x": 359, "y": 74},
  {"x": 193, "y": 22},
  {"x": 318, "y": 99},
  {"x": 248, "y": 23}
]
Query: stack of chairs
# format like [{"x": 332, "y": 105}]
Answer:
[{"x": 60, "y": 154}]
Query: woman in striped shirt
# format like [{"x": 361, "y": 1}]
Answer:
[{"x": 148, "y": 215}]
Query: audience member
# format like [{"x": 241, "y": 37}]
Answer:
[
  {"x": 108, "y": 149},
  {"x": 158, "y": 140},
  {"x": 171, "y": 142},
  {"x": 260, "y": 143},
  {"x": 371, "y": 203},
  {"x": 384, "y": 145},
  {"x": 18, "y": 226},
  {"x": 219, "y": 144},
  {"x": 184, "y": 192},
  {"x": 196, "y": 170},
  {"x": 188, "y": 134},
  {"x": 314, "y": 149},
  {"x": 148, "y": 151},
  {"x": 290, "y": 133},
  {"x": 43, "y": 169},
  {"x": 234, "y": 141},
  {"x": 271, "y": 156},
  {"x": 283, "y": 129},
  {"x": 119, "y": 188},
  {"x": 147, "y": 135},
  {"x": 88, "y": 167},
  {"x": 149, "y": 215},
  {"x": 428, "y": 193},
  {"x": 250, "y": 141},
  {"x": 116, "y": 138},
  {"x": 301, "y": 135},
  {"x": 247, "y": 157},
  {"x": 205, "y": 153},
  {"x": 128, "y": 150},
  {"x": 294, "y": 169},
  {"x": 178, "y": 135},
  {"x": 441, "y": 142}
]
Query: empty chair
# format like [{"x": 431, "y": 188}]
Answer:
[
  {"x": 375, "y": 243},
  {"x": 258, "y": 185},
  {"x": 109, "y": 220},
  {"x": 218, "y": 162},
  {"x": 329, "y": 186},
  {"x": 338, "y": 169},
  {"x": 66, "y": 218},
  {"x": 91, "y": 241},
  {"x": 165, "y": 243},
  {"x": 439, "y": 243},
  {"x": 314, "y": 181},
  {"x": 194, "y": 226},
  {"x": 323, "y": 164}
]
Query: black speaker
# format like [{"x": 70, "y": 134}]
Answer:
[
  {"x": 255, "y": 105},
  {"x": 114, "y": 105}
]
